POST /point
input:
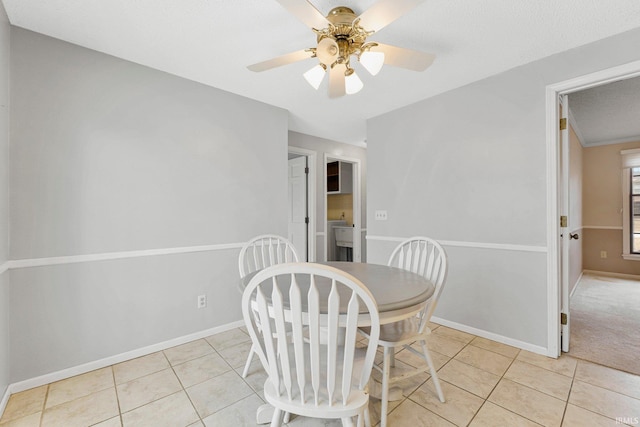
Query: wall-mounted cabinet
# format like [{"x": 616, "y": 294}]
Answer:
[{"x": 339, "y": 178}]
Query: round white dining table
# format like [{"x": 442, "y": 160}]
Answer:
[{"x": 399, "y": 293}]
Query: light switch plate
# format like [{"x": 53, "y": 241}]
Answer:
[{"x": 381, "y": 215}]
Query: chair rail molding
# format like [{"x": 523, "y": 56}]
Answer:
[
  {"x": 72, "y": 259},
  {"x": 479, "y": 245}
]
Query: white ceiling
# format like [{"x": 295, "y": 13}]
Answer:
[
  {"x": 607, "y": 114},
  {"x": 212, "y": 42}
]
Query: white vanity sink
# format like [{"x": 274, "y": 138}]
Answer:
[{"x": 344, "y": 236}]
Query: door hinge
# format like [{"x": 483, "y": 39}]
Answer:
[
  {"x": 306, "y": 220},
  {"x": 563, "y": 123},
  {"x": 563, "y": 221},
  {"x": 306, "y": 170},
  {"x": 563, "y": 318}
]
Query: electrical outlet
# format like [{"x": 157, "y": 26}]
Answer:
[
  {"x": 380, "y": 216},
  {"x": 603, "y": 254},
  {"x": 202, "y": 301}
]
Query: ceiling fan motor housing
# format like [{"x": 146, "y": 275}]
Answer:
[{"x": 345, "y": 31}]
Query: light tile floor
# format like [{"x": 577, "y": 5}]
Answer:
[{"x": 199, "y": 384}]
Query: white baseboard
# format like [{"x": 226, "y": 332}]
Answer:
[
  {"x": 118, "y": 358},
  {"x": 575, "y": 285},
  {"x": 609, "y": 274},
  {"x": 5, "y": 399},
  {"x": 493, "y": 337},
  {"x": 122, "y": 357}
]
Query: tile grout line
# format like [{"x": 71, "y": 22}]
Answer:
[
  {"x": 404, "y": 399},
  {"x": 184, "y": 389},
  {"x": 606, "y": 367},
  {"x": 115, "y": 389},
  {"x": 493, "y": 389},
  {"x": 430, "y": 377},
  {"x": 44, "y": 405},
  {"x": 231, "y": 369},
  {"x": 573, "y": 379}
]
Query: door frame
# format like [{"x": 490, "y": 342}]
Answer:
[
  {"x": 554, "y": 284},
  {"x": 312, "y": 162},
  {"x": 564, "y": 205},
  {"x": 357, "y": 203}
]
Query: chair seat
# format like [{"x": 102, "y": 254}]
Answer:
[{"x": 399, "y": 333}]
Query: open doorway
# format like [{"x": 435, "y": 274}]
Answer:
[
  {"x": 343, "y": 209},
  {"x": 561, "y": 228},
  {"x": 604, "y": 264}
]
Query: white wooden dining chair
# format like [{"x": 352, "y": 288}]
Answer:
[
  {"x": 312, "y": 371},
  {"x": 260, "y": 252},
  {"x": 264, "y": 251},
  {"x": 423, "y": 256}
]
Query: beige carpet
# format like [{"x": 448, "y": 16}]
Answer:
[{"x": 605, "y": 322}]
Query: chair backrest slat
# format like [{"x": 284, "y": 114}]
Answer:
[
  {"x": 427, "y": 258},
  {"x": 265, "y": 322},
  {"x": 264, "y": 251},
  {"x": 332, "y": 339},
  {"x": 313, "y": 333},
  {"x": 281, "y": 331},
  {"x": 349, "y": 345},
  {"x": 314, "y": 337},
  {"x": 297, "y": 336}
]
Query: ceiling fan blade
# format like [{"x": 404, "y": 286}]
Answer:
[
  {"x": 385, "y": 12},
  {"x": 306, "y": 12},
  {"x": 404, "y": 58},
  {"x": 336, "y": 81},
  {"x": 281, "y": 60}
]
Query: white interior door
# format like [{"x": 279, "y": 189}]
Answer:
[
  {"x": 565, "y": 229},
  {"x": 298, "y": 226}
]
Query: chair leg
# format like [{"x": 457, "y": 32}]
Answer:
[
  {"x": 432, "y": 369},
  {"x": 367, "y": 417},
  {"x": 393, "y": 358},
  {"x": 276, "y": 421},
  {"x": 347, "y": 422},
  {"x": 385, "y": 386},
  {"x": 248, "y": 363},
  {"x": 287, "y": 416}
]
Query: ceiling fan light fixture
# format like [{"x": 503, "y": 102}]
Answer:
[
  {"x": 340, "y": 36},
  {"x": 352, "y": 82},
  {"x": 372, "y": 61},
  {"x": 315, "y": 75}
]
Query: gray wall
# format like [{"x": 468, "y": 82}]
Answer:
[
  {"x": 109, "y": 156},
  {"x": 326, "y": 146},
  {"x": 470, "y": 166},
  {"x": 4, "y": 200}
]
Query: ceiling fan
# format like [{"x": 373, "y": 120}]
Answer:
[{"x": 341, "y": 35}]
